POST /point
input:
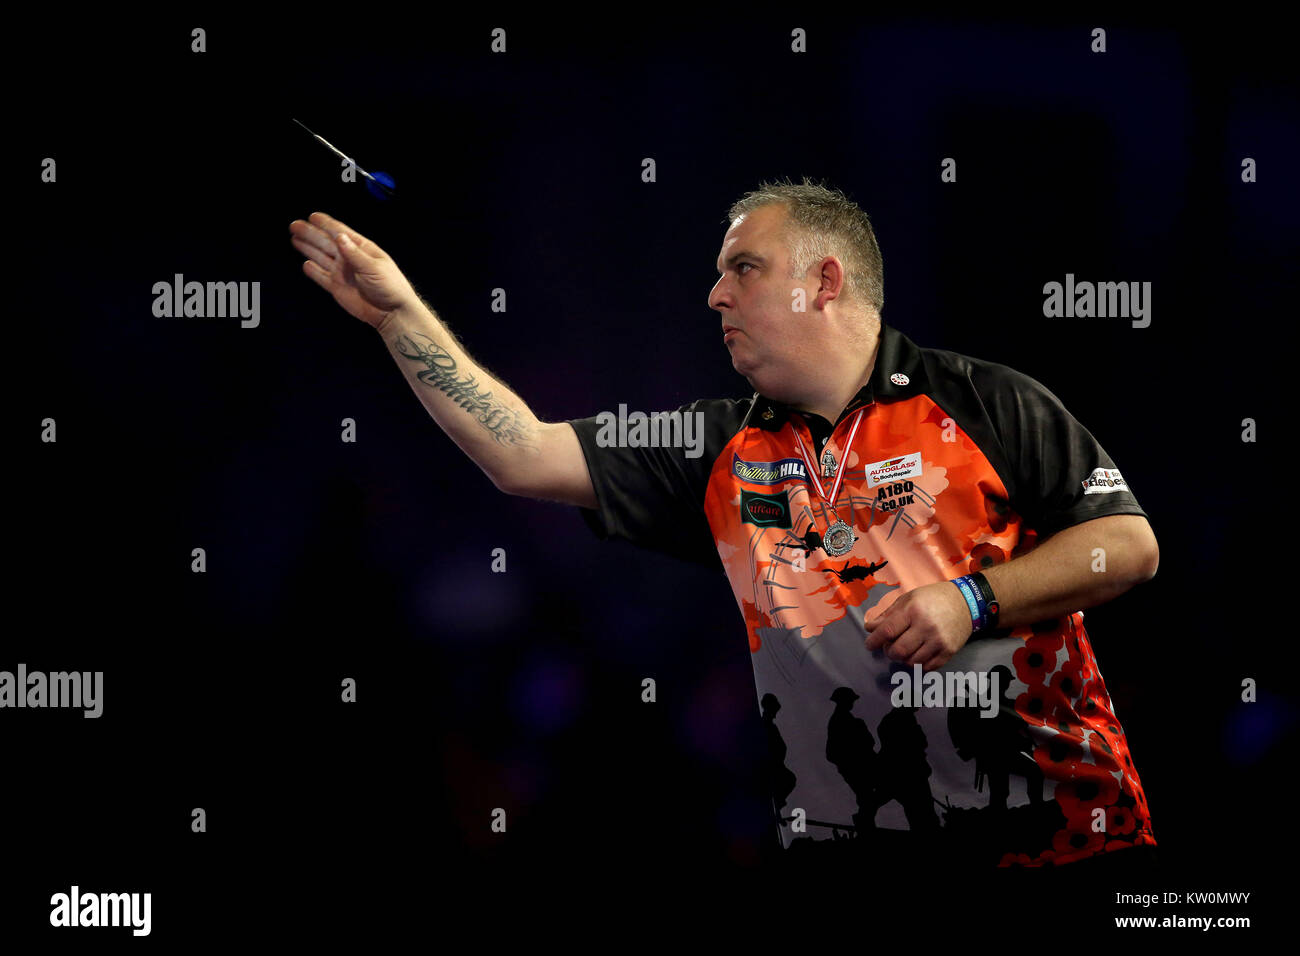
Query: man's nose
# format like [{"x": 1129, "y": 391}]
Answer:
[{"x": 719, "y": 297}]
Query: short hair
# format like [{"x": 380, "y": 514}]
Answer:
[{"x": 822, "y": 221}]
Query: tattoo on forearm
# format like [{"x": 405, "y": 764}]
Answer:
[{"x": 505, "y": 425}]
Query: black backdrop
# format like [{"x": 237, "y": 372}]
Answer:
[{"x": 371, "y": 560}]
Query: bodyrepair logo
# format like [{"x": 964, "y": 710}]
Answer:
[{"x": 893, "y": 469}]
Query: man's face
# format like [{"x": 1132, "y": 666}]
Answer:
[{"x": 753, "y": 294}]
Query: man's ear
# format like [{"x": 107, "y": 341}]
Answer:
[{"x": 830, "y": 272}]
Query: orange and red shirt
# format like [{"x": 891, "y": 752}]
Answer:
[{"x": 957, "y": 464}]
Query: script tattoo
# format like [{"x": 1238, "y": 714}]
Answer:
[{"x": 504, "y": 424}]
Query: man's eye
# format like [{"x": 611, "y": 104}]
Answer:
[{"x": 741, "y": 265}]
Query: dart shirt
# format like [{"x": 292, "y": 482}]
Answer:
[{"x": 957, "y": 465}]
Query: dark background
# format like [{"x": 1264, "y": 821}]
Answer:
[{"x": 372, "y": 560}]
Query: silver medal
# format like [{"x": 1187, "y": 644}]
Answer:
[{"x": 838, "y": 539}]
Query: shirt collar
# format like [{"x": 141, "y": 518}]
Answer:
[{"x": 899, "y": 373}]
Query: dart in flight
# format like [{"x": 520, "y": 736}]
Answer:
[{"x": 380, "y": 184}]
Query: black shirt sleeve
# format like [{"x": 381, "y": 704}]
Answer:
[
  {"x": 1061, "y": 475},
  {"x": 654, "y": 496}
]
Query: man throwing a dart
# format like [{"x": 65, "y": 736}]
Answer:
[{"x": 910, "y": 534}]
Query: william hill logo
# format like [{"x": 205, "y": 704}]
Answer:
[
  {"x": 768, "y": 472},
  {"x": 766, "y": 511}
]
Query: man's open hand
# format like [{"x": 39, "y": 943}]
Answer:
[
  {"x": 362, "y": 277},
  {"x": 925, "y": 626}
]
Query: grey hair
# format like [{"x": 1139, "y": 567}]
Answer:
[{"x": 820, "y": 222}]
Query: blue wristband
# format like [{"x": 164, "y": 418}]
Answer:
[{"x": 974, "y": 601}]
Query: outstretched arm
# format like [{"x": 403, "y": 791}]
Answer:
[{"x": 489, "y": 422}]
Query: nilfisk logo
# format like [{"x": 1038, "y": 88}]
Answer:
[
  {"x": 768, "y": 472},
  {"x": 765, "y": 511}
]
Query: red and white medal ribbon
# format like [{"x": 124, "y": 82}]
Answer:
[{"x": 839, "y": 472}]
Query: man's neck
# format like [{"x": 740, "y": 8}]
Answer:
[{"x": 831, "y": 406}]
